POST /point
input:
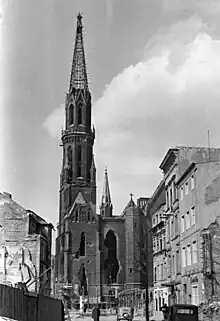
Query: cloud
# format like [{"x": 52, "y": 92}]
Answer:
[
  {"x": 169, "y": 98},
  {"x": 55, "y": 122},
  {"x": 205, "y": 8}
]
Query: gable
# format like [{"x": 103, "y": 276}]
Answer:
[{"x": 78, "y": 200}]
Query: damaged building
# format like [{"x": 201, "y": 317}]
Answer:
[
  {"x": 190, "y": 218},
  {"x": 93, "y": 251},
  {"x": 25, "y": 252}
]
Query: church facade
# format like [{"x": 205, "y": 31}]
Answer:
[{"x": 93, "y": 251}]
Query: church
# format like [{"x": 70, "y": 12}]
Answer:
[{"x": 94, "y": 251}]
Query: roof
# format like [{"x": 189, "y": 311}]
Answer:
[
  {"x": 167, "y": 156},
  {"x": 78, "y": 79},
  {"x": 106, "y": 197}
]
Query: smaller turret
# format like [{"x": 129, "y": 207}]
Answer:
[{"x": 106, "y": 204}]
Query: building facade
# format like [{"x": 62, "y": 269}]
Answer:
[
  {"x": 94, "y": 252},
  {"x": 199, "y": 210},
  {"x": 156, "y": 209},
  {"x": 190, "y": 186},
  {"x": 25, "y": 247}
]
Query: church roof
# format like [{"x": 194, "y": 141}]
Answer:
[
  {"x": 131, "y": 203},
  {"x": 106, "y": 197},
  {"x": 78, "y": 79}
]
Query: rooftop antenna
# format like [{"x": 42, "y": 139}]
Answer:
[{"x": 209, "y": 147}]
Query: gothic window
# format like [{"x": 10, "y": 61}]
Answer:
[
  {"x": 82, "y": 249},
  {"x": 80, "y": 110},
  {"x": 71, "y": 115},
  {"x": 79, "y": 161},
  {"x": 76, "y": 215},
  {"x": 83, "y": 214},
  {"x": 89, "y": 215},
  {"x": 70, "y": 160}
]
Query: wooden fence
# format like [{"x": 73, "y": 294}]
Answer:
[{"x": 21, "y": 305}]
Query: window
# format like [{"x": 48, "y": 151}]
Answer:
[
  {"x": 189, "y": 261},
  {"x": 155, "y": 273},
  {"x": 181, "y": 193},
  {"x": 171, "y": 197},
  {"x": 82, "y": 248},
  {"x": 89, "y": 215},
  {"x": 186, "y": 188},
  {"x": 167, "y": 193},
  {"x": 192, "y": 182},
  {"x": 193, "y": 218},
  {"x": 182, "y": 224},
  {"x": 194, "y": 252},
  {"x": 183, "y": 257},
  {"x": 79, "y": 160},
  {"x": 153, "y": 221},
  {"x": 173, "y": 264},
  {"x": 71, "y": 119},
  {"x": 76, "y": 215},
  {"x": 164, "y": 242},
  {"x": 161, "y": 266},
  {"x": 177, "y": 261},
  {"x": 80, "y": 109},
  {"x": 187, "y": 220},
  {"x": 195, "y": 294},
  {"x": 130, "y": 270},
  {"x": 172, "y": 234},
  {"x": 161, "y": 244}
]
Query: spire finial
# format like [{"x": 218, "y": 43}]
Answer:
[
  {"x": 131, "y": 195},
  {"x": 78, "y": 78},
  {"x": 106, "y": 197}
]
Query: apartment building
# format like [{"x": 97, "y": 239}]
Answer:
[
  {"x": 192, "y": 184},
  {"x": 156, "y": 208},
  {"x": 199, "y": 207},
  {"x": 169, "y": 166},
  {"x": 25, "y": 252}
]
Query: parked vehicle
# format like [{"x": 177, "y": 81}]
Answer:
[
  {"x": 182, "y": 312},
  {"x": 124, "y": 313}
]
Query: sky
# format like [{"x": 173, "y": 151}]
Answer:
[{"x": 154, "y": 75}]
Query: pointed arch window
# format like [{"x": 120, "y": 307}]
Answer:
[
  {"x": 76, "y": 215},
  {"x": 71, "y": 114},
  {"x": 89, "y": 215},
  {"x": 82, "y": 248},
  {"x": 79, "y": 161},
  {"x": 83, "y": 214},
  {"x": 70, "y": 161},
  {"x": 79, "y": 113}
]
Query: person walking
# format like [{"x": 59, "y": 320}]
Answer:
[{"x": 96, "y": 313}]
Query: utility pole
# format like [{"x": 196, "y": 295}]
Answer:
[
  {"x": 147, "y": 291},
  {"x": 211, "y": 264}
]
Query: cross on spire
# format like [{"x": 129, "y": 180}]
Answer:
[
  {"x": 78, "y": 79},
  {"x": 131, "y": 195}
]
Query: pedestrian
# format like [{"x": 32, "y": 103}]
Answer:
[
  {"x": 96, "y": 313},
  {"x": 165, "y": 311},
  {"x": 132, "y": 312}
]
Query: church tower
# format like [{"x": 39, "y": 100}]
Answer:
[
  {"x": 106, "y": 204},
  {"x": 77, "y": 229}
]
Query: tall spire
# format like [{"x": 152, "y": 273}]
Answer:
[
  {"x": 106, "y": 204},
  {"x": 78, "y": 78}
]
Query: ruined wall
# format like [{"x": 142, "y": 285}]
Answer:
[
  {"x": 115, "y": 224},
  {"x": 207, "y": 193},
  {"x": 187, "y": 155},
  {"x": 89, "y": 260},
  {"x": 20, "y": 261}
]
